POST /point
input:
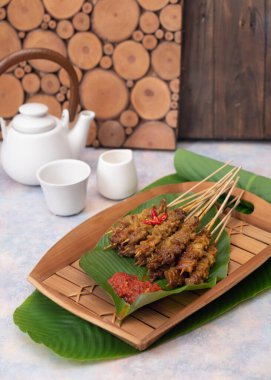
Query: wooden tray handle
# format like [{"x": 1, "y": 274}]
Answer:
[
  {"x": 40, "y": 53},
  {"x": 260, "y": 216}
]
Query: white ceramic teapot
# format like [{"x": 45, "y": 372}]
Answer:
[{"x": 34, "y": 137}]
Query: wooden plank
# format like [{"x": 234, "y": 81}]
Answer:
[
  {"x": 90, "y": 301},
  {"x": 76, "y": 265},
  {"x": 251, "y": 231},
  {"x": 196, "y": 116},
  {"x": 247, "y": 243},
  {"x": 167, "y": 307},
  {"x": 150, "y": 317},
  {"x": 233, "y": 266},
  {"x": 184, "y": 298},
  {"x": 267, "y": 97},
  {"x": 99, "y": 292},
  {"x": 239, "y": 69},
  {"x": 138, "y": 329},
  {"x": 76, "y": 276},
  {"x": 240, "y": 256}
]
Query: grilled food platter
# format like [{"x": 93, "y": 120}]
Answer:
[{"x": 174, "y": 288}]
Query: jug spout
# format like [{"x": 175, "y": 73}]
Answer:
[
  {"x": 3, "y": 128},
  {"x": 79, "y": 133}
]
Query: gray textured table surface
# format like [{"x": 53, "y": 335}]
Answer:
[{"x": 234, "y": 346}]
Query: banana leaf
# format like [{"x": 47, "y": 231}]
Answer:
[
  {"x": 194, "y": 167},
  {"x": 101, "y": 264},
  {"x": 73, "y": 338}
]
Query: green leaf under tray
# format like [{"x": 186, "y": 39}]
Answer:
[
  {"x": 74, "y": 338},
  {"x": 101, "y": 264}
]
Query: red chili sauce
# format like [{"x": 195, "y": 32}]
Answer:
[{"x": 129, "y": 287}]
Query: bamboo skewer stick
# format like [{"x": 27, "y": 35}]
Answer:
[
  {"x": 221, "y": 208},
  {"x": 212, "y": 201},
  {"x": 213, "y": 188},
  {"x": 221, "y": 192},
  {"x": 227, "y": 218},
  {"x": 199, "y": 183},
  {"x": 236, "y": 202}
]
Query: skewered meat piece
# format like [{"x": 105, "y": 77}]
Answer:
[
  {"x": 175, "y": 277},
  {"x": 194, "y": 252},
  {"x": 171, "y": 248},
  {"x": 130, "y": 230},
  {"x": 201, "y": 272},
  {"x": 159, "y": 232}
]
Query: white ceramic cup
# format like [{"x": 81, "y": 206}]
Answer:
[
  {"x": 64, "y": 184},
  {"x": 116, "y": 174}
]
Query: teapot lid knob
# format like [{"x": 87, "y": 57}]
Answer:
[{"x": 34, "y": 109}]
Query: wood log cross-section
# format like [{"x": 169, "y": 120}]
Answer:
[
  {"x": 11, "y": 95},
  {"x": 85, "y": 50},
  {"x": 152, "y": 135},
  {"x": 9, "y": 41},
  {"x": 129, "y": 119},
  {"x": 44, "y": 39},
  {"x": 31, "y": 83},
  {"x": 65, "y": 29},
  {"x": 81, "y": 22},
  {"x": 4, "y": 2},
  {"x": 24, "y": 14},
  {"x": 117, "y": 24},
  {"x": 149, "y": 42},
  {"x": 111, "y": 134},
  {"x": 171, "y": 17},
  {"x": 131, "y": 60},
  {"x": 153, "y": 5},
  {"x": 166, "y": 60},
  {"x": 2, "y": 14},
  {"x": 50, "y": 84},
  {"x": 63, "y": 9},
  {"x": 98, "y": 93},
  {"x": 151, "y": 98},
  {"x": 149, "y": 22}
]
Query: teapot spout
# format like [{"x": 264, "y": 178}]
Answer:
[
  {"x": 3, "y": 128},
  {"x": 79, "y": 133}
]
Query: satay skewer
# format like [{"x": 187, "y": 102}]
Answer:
[
  {"x": 228, "y": 186},
  {"x": 199, "y": 183},
  {"x": 202, "y": 211},
  {"x": 224, "y": 222},
  {"x": 222, "y": 207},
  {"x": 203, "y": 193}
]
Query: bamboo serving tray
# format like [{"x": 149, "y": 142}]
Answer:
[{"x": 59, "y": 276}]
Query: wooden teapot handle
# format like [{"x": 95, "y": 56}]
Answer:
[{"x": 40, "y": 53}]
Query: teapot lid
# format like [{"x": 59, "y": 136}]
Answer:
[{"x": 33, "y": 118}]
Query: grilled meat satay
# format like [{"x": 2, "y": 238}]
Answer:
[
  {"x": 159, "y": 232},
  {"x": 130, "y": 230},
  {"x": 194, "y": 252},
  {"x": 171, "y": 248},
  {"x": 174, "y": 277},
  {"x": 201, "y": 272}
]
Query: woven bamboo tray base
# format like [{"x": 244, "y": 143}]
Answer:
[{"x": 59, "y": 276}]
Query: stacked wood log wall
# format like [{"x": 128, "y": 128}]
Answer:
[{"x": 127, "y": 55}]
